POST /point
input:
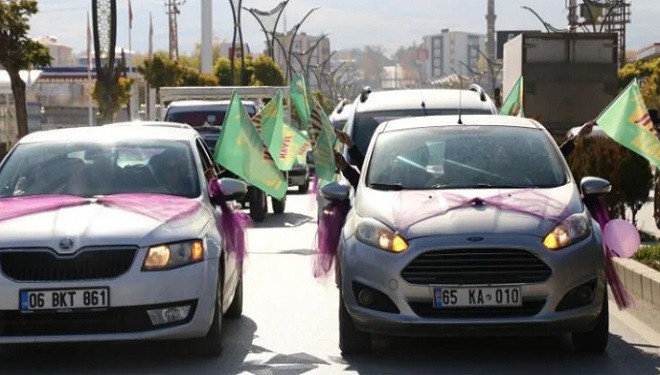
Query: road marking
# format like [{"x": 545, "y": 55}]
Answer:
[{"x": 642, "y": 329}]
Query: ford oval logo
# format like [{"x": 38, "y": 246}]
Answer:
[
  {"x": 475, "y": 239},
  {"x": 66, "y": 244}
]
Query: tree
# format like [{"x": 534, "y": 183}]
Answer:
[
  {"x": 159, "y": 72},
  {"x": 19, "y": 52},
  {"x": 112, "y": 98},
  {"x": 649, "y": 74},
  {"x": 192, "y": 77},
  {"x": 260, "y": 71}
]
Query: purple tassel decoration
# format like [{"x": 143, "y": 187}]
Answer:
[
  {"x": 621, "y": 296},
  {"x": 331, "y": 223},
  {"x": 315, "y": 185},
  {"x": 233, "y": 223}
]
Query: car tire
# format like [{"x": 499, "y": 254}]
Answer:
[
  {"x": 258, "y": 204},
  {"x": 351, "y": 341},
  {"x": 236, "y": 308},
  {"x": 304, "y": 188},
  {"x": 211, "y": 344},
  {"x": 278, "y": 205},
  {"x": 596, "y": 339}
]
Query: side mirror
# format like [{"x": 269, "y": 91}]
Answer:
[
  {"x": 232, "y": 189},
  {"x": 334, "y": 192},
  {"x": 595, "y": 186}
]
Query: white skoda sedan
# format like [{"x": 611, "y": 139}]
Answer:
[{"x": 109, "y": 233}]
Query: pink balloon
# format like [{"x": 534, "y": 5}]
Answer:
[{"x": 621, "y": 237}]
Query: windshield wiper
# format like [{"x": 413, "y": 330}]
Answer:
[{"x": 379, "y": 186}]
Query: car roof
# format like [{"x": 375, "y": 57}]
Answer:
[
  {"x": 148, "y": 130},
  {"x": 467, "y": 120},
  {"x": 413, "y": 98},
  {"x": 343, "y": 115},
  {"x": 205, "y": 103}
]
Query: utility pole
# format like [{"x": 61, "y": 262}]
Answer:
[
  {"x": 490, "y": 35},
  {"x": 172, "y": 13}
]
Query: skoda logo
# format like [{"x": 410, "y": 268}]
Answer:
[{"x": 66, "y": 244}]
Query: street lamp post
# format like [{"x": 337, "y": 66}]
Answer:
[
  {"x": 236, "y": 6},
  {"x": 268, "y": 21},
  {"x": 104, "y": 23}
]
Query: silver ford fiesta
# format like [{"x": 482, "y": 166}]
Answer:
[{"x": 471, "y": 226}]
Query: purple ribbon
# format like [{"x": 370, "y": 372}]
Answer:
[
  {"x": 412, "y": 207},
  {"x": 599, "y": 211},
  {"x": 233, "y": 223},
  {"x": 331, "y": 222}
]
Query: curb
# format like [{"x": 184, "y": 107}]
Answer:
[{"x": 639, "y": 279}]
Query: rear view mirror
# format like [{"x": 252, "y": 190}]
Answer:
[
  {"x": 232, "y": 189},
  {"x": 335, "y": 191},
  {"x": 591, "y": 186}
]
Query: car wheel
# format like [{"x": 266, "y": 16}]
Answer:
[
  {"x": 302, "y": 189},
  {"x": 211, "y": 344},
  {"x": 258, "y": 204},
  {"x": 278, "y": 205},
  {"x": 351, "y": 341},
  {"x": 596, "y": 339},
  {"x": 236, "y": 308}
]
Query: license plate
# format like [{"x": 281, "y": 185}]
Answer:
[
  {"x": 64, "y": 299},
  {"x": 477, "y": 297}
]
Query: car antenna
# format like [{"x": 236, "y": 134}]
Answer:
[
  {"x": 460, "y": 106},
  {"x": 426, "y": 113}
]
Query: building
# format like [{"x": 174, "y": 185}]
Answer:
[
  {"x": 307, "y": 50},
  {"x": 451, "y": 52},
  {"x": 650, "y": 52},
  {"x": 62, "y": 55}
]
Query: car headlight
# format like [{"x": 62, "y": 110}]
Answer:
[
  {"x": 376, "y": 234},
  {"x": 173, "y": 255},
  {"x": 574, "y": 229}
]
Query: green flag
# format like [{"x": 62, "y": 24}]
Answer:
[
  {"x": 284, "y": 142},
  {"x": 323, "y": 138},
  {"x": 628, "y": 122},
  {"x": 241, "y": 150},
  {"x": 513, "y": 105},
  {"x": 301, "y": 100}
]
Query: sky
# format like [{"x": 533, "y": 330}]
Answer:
[{"x": 349, "y": 23}]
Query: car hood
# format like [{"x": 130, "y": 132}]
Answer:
[
  {"x": 96, "y": 225},
  {"x": 417, "y": 208}
]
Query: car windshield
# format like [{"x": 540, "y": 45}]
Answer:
[
  {"x": 366, "y": 122},
  {"x": 196, "y": 118},
  {"x": 93, "y": 169},
  {"x": 456, "y": 157}
]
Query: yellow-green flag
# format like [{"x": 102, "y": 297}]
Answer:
[
  {"x": 628, "y": 122},
  {"x": 284, "y": 142},
  {"x": 241, "y": 150},
  {"x": 513, "y": 105},
  {"x": 301, "y": 100},
  {"x": 323, "y": 138}
]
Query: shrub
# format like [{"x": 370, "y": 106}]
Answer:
[
  {"x": 649, "y": 255},
  {"x": 629, "y": 173}
]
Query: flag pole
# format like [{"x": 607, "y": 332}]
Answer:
[{"x": 89, "y": 74}]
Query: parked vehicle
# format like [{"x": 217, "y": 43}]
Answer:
[
  {"x": 340, "y": 114},
  {"x": 469, "y": 227},
  {"x": 106, "y": 257}
]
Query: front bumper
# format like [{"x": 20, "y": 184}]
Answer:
[
  {"x": 131, "y": 295},
  {"x": 382, "y": 271}
]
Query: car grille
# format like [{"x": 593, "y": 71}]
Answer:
[
  {"x": 86, "y": 264},
  {"x": 476, "y": 266},
  {"x": 112, "y": 320},
  {"x": 529, "y": 308}
]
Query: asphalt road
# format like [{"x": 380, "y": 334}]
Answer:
[{"x": 290, "y": 327}]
